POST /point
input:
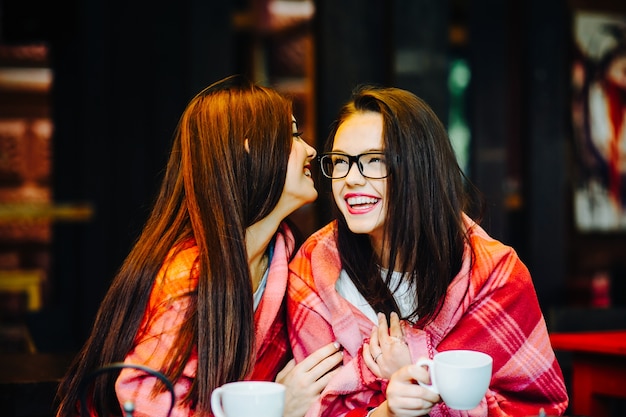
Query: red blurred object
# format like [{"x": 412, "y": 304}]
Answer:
[{"x": 598, "y": 369}]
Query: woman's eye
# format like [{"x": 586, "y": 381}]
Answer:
[{"x": 378, "y": 159}]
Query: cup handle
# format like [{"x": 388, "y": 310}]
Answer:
[
  {"x": 433, "y": 384},
  {"x": 216, "y": 402}
]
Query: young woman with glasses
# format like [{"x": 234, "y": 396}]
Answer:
[
  {"x": 200, "y": 298},
  {"x": 404, "y": 272}
]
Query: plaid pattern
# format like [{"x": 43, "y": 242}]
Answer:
[
  {"x": 166, "y": 309},
  {"x": 491, "y": 306}
]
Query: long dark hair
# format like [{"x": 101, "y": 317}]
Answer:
[
  {"x": 426, "y": 193},
  {"x": 213, "y": 189}
]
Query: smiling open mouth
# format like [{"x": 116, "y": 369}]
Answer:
[{"x": 362, "y": 202}]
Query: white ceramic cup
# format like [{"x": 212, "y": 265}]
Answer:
[
  {"x": 249, "y": 399},
  {"x": 460, "y": 377}
]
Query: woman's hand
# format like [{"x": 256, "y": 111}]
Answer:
[
  {"x": 305, "y": 381},
  {"x": 386, "y": 351},
  {"x": 405, "y": 397}
]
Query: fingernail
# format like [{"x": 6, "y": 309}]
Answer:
[{"x": 336, "y": 344}]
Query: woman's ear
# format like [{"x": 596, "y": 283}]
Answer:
[{"x": 246, "y": 145}]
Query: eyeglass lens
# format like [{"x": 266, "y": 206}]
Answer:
[{"x": 370, "y": 165}]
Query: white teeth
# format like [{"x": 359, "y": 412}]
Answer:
[
  {"x": 353, "y": 201},
  {"x": 307, "y": 172}
]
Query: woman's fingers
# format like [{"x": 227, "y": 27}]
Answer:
[
  {"x": 320, "y": 362},
  {"x": 387, "y": 347},
  {"x": 368, "y": 357},
  {"x": 319, "y": 384},
  {"x": 305, "y": 381},
  {"x": 313, "y": 367},
  {"x": 326, "y": 365},
  {"x": 374, "y": 341},
  {"x": 386, "y": 335},
  {"x": 318, "y": 356},
  {"x": 383, "y": 330},
  {"x": 405, "y": 396},
  {"x": 395, "y": 329},
  {"x": 419, "y": 373},
  {"x": 283, "y": 374}
]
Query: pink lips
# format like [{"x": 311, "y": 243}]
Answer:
[
  {"x": 307, "y": 171},
  {"x": 360, "y": 203}
]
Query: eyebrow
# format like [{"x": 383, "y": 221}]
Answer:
[{"x": 365, "y": 151}]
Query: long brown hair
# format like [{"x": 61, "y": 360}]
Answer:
[
  {"x": 213, "y": 189},
  {"x": 424, "y": 230}
]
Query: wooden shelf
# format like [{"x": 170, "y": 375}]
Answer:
[
  {"x": 52, "y": 212},
  {"x": 27, "y": 281}
]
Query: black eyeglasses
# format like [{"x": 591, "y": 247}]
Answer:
[{"x": 337, "y": 165}]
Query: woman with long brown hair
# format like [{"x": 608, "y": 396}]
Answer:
[
  {"x": 404, "y": 272},
  {"x": 200, "y": 297}
]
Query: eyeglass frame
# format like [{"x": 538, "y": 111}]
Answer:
[{"x": 352, "y": 159}]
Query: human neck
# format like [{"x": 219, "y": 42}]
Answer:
[
  {"x": 258, "y": 237},
  {"x": 381, "y": 250},
  {"x": 257, "y": 271}
]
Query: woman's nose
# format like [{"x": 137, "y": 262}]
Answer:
[
  {"x": 311, "y": 152},
  {"x": 354, "y": 175}
]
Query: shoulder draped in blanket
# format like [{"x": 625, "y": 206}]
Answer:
[
  {"x": 168, "y": 303},
  {"x": 491, "y": 306}
]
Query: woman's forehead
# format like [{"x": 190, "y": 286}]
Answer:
[{"x": 360, "y": 132}]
